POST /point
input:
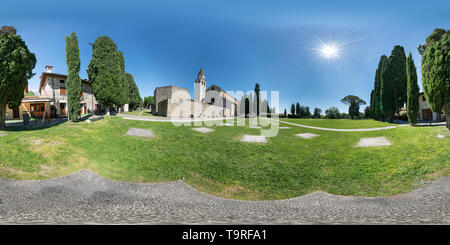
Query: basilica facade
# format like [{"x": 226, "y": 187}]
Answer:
[{"x": 176, "y": 102}]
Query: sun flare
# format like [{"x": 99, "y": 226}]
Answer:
[{"x": 329, "y": 51}]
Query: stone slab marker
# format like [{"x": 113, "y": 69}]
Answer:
[
  {"x": 2, "y": 134},
  {"x": 94, "y": 118},
  {"x": 203, "y": 130},
  {"x": 140, "y": 132},
  {"x": 254, "y": 139},
  {"x": 285, "y": 127},
  {"x": 307, "y": 135},
  {"x": 373, "y": 141}
]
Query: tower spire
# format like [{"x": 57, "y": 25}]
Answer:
[{"x": 200, "y": 86}]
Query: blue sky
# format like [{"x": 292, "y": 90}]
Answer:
[{"x": 238, "y": 43}]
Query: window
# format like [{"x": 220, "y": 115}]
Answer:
[
  {"x": 212, "y": 100},
  {"x": 62, "y": 82},
  {"x": 62, "y": 91}
]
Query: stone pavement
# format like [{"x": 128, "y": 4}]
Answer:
[{"x": 86, "y": 198}]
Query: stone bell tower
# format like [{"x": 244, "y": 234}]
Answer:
[{"x": 200, "y": 86}]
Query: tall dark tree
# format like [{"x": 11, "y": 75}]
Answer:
[
  {"x": 436, "y": 71},
  {"x": 307, "y": 112},
  {"x": 412, "y": 104},
  {"x": 371, "y": 105},
  {"x": 397, "y": 61},
  {"x": 123, "y": 98},
  {"x": 134, "y": 98},
  {"x": 16, "y": 67},
  {"x": 257, "y": 94},
  {"x": 317, "y": 112},
  {"x": 105, "y": 73},
  {"x": 377, "y": 112},
  {"x": 73, "y": 78},
  {"x": 367, "y": 112},
  {"x": 285, "y": 112},
  {"x": 297, "y": 109},
  {"x": 247, "y": 107},
  {"x": 293, "y": 110},
  {"x": 354, "y": 102},
  {"x": 387, "y": 93}
]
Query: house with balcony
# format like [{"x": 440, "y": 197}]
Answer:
[
  {"x": 53, "y": 85},
  {"x": 425, "y": 112}
]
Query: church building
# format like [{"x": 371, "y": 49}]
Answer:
[{"x": 176, "y": 102}]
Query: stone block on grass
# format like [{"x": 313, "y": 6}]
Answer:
[
  {"x": 373, "y": 141},
  {"x": 307, "y": 135},
  {"x": 140, "y": 132},
  {"x": 254, "y": 139},
  {"x": 203, "y": 130}
]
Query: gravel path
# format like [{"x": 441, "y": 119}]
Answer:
[
  {"x": 86, "y": 198},
  {"x": 341, "y": 130}
]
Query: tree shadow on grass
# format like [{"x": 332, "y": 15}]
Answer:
[{"x": 38, "y": 125}]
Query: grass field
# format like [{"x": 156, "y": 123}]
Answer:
[
  {"x": 219, "y": 164},
  {"x": 339, "y": 123},
  {"x": 136, "y": 113}
]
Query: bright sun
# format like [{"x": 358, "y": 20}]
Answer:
[{"x": 329, "y": 51}]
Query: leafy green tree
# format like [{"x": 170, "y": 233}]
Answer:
[
  {"x": 398, "y": 64},
  {"x": 293, "y": 110},
  {"x": 412, "y": 104},
  {"x": 134, "y": 98},
  {"x": 30, "y": 93},
  {"x": 332, "y": 113},
  {"x": 317, "y": 112},
  {"x": 73, "y": 78},
  {"x": 367, "y": 112},
  {"x": 307, "y": 112},
  {"x": 105, "y": 73},
  {"x": 377, "y": 112},
  {"x": 257, "y": 93},
  {"x": 436, "y": 71},
  {"x": 387, "y": 93},
  {"x": 354, "y": 102},
  {"x": 148, "y": 101},
  {"x": 16, "y": 67}
]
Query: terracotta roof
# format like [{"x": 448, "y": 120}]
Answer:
[
  {"x": 36, "y": 99},
  {"x": 51, "y": 74}
]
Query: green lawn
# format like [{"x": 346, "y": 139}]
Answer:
[
  {"x": 144, "y": 113},
  {"x": 339, "y": 123},
  {"x": 219, "y": 164}
]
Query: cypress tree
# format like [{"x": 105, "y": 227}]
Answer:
[
  {"x": 16, "y": 67},
  {"x": 297, "y": 109},
  {"x": 73, "y": 77},
  {"x": 387, "y": 93},
  {"x": 378, "y": 114},
  {"x": 134, "y": 98},
  {"x": 371, "y": 109},
  {"x": 123, "y": 97},
  {"x": 436, "y": 71},
  {"x": 293, "y": 110},
  {"x": 398, "y": 64},
  {"x": 105, "y": 72},
  {"x": 257, "y": 90},
  {"x": 412, "y": 104}
]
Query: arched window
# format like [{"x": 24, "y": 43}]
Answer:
[{"x": 212, "y": 100}]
